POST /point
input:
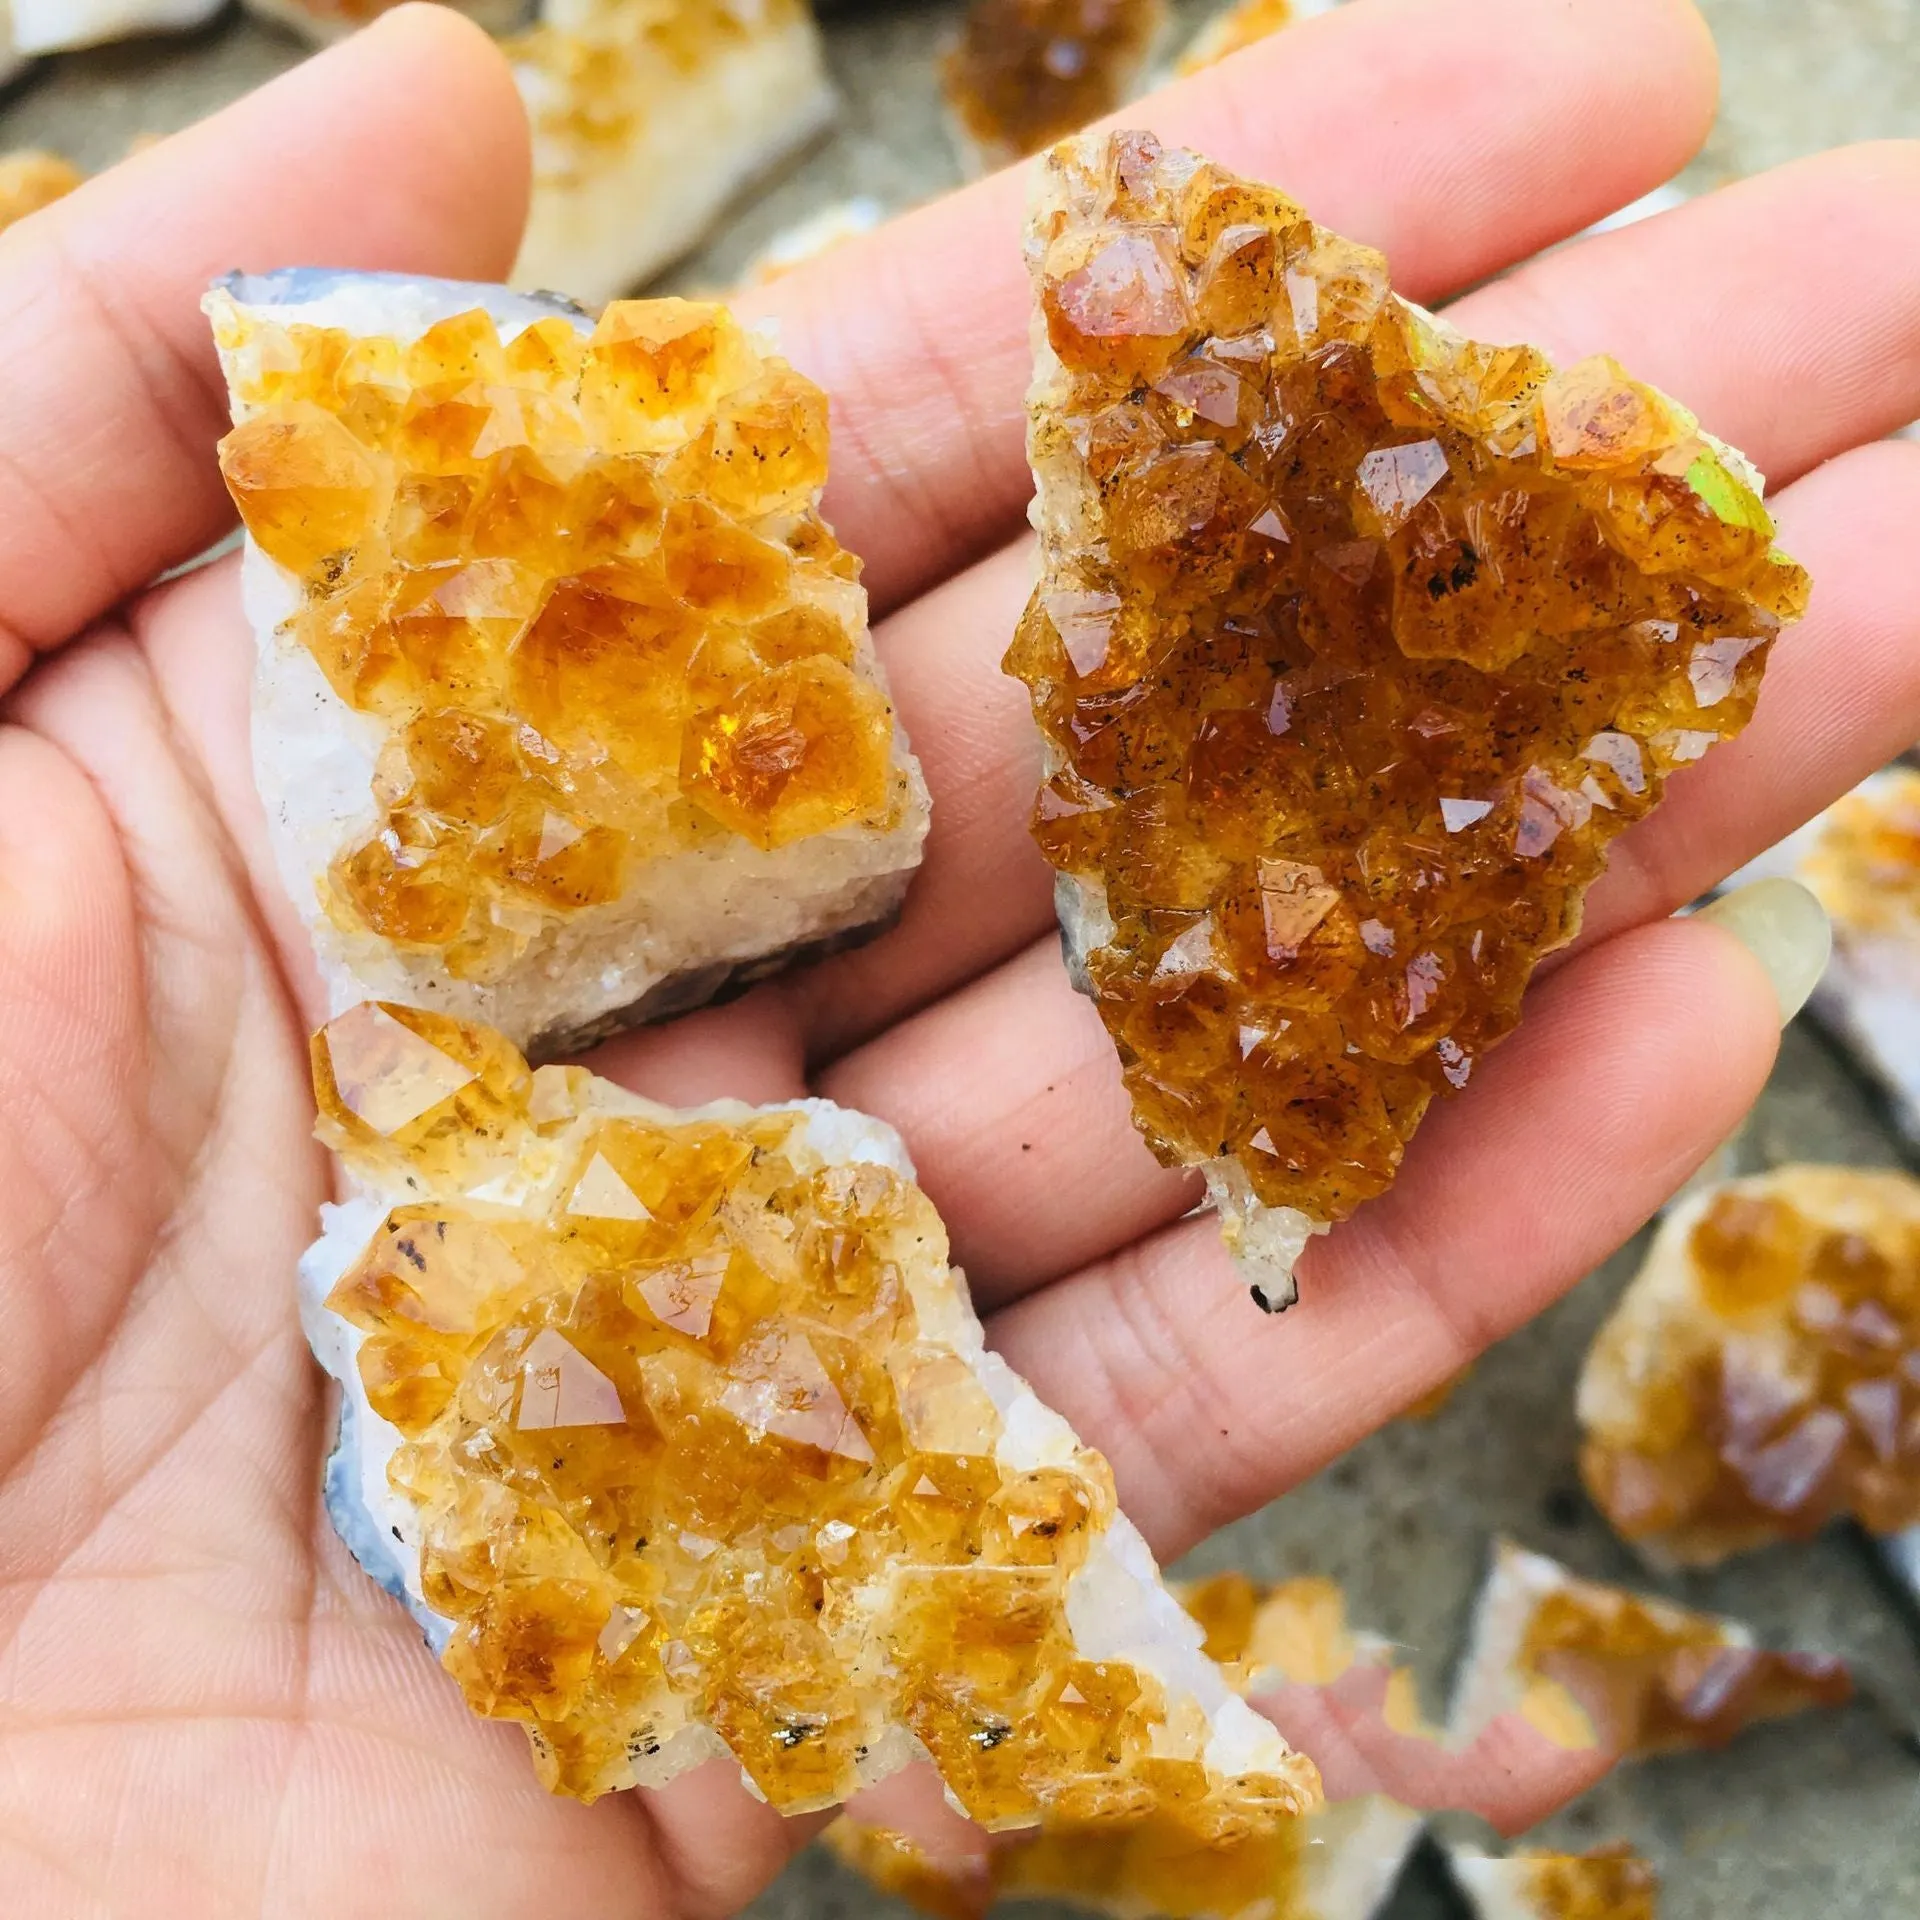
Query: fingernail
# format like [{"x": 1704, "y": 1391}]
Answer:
[{"x": 1785, "y": 928}]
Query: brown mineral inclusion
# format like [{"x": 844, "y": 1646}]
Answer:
[
  {"x": 1762, "y": 1375},
  {"x": 1029, "y": 72},
  {"x": 582, "y": 582},
  {"x": 1355, "y": 644},
  {"x": 30, "y": 180},
  {"x": 695, "y": 1431}
]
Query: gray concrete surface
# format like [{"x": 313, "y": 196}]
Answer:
[{"x": 1817, "y": 1820}]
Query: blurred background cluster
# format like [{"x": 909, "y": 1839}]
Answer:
[{"x": 1818, "y": 1815}]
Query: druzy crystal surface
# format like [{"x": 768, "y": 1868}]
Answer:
[
  {"x": 1026, "y": 73},
  {"x": 1585, "y": 1662},
  {"x": 1761, "y": 1376},
  {"x": 686, "y": 1438},
  {"x": 566, "y": 705},
  {"x": 1355, "y": 644},
  {"x": 30, "y": 180}
]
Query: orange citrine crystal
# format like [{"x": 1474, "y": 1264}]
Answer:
[
  {"x": 1762, "y": 1374},
  {"x": 1026, "y": 73},
  {"x": 698, "y": 1450},
  {"x": 578, "y": 581},
  {"x": 1356, "y": 642}
]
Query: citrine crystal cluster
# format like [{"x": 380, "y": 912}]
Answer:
[
  {"x": 566, "y": 710},
  {"x": 1610, "y": 1883},
  {"x": 1861, "y": 858},
  {"x": 1336, "y": 1863},
  {"x": 1761, "y": 1376},
  {"x": 1584, "y": 1663},
  {"x": 1025, "y": 73},
  {"x": 678, "y": 1433},
  {"x": 649, "y": 117},
  {"x": 30, "y": 180},
  {"x": 1355, "y": 644}
]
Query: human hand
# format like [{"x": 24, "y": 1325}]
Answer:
[{"x": 204, "y": 1707}]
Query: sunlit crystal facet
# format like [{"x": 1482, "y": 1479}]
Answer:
[
  {"x": 692, "y": 1442},
  {"x": 1762, "y": 1374},
  {"x": 1355, "y": 644}
]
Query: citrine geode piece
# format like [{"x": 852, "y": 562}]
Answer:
[
  {"x": 1860, "y": 858},
  {"x": 649, "y": 118},
  {"x": 1025, "y": 73},
  {"x": 1584, "y": 1662},
  {"x": 1355, "y": 643},
  {"x": 1339, "y": 1862},
  {"x": 1606, "y": 1883},
  {"x": 677, "y": 1433},
  {"x": 1761, "y": 1375},
  {"x": 566, "y": 713}
]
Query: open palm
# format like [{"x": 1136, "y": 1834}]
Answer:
[{"x": 204, "y": 1709}]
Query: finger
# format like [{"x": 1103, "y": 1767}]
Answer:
[
  {"x": 69, "y": 1037},
  {"x": 1841, "y": 684},
  {"x": 1637, "y": 1061},
  {"x": 1793, "y": 364},
  {"x": 1460, "y": 135},
  {"x": 404, "y": 147},
  {"x": 1841, "y": 697},
  {"x": 1009, "y": 1097},
  {"x": 719, "y": 1844},
  {"x": 1511, "y": 1774}
]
